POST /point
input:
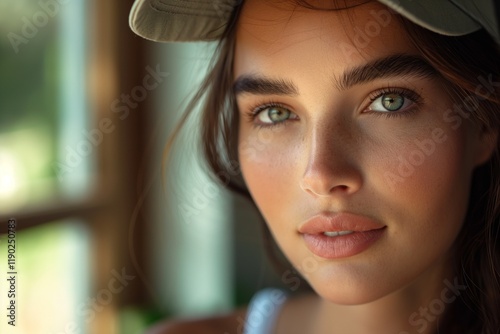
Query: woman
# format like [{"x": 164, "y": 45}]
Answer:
[{"x": 367, "y": 137}]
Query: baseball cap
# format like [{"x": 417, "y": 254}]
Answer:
[{"x": 205, "y": 20}]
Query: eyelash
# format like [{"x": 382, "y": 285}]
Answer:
[
  {"x": 254, "y": 111},
  {"x": 406, "y": 93}
]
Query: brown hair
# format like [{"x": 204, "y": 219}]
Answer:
[{"x": 470, "y": 65}]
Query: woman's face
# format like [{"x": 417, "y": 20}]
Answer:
[{"x": 352, "y": 126}]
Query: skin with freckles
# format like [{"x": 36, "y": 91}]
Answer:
[
  {"x": 340, "y": 113},
  {"x": 380, "y": 147}
]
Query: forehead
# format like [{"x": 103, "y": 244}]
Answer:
[{"x": 271, "y": 34}]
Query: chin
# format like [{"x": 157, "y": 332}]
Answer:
[
  {"x": 350, "y": 290},
  {"x": 349, "y": 297}
]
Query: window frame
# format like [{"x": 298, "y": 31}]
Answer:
[{"x": 116, "y": 62}]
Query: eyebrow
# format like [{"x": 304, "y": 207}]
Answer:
[
  {"x": 257, "y": 85},
  {"x": 391, "y": 66}
]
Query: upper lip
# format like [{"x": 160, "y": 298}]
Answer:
[{"x": 336, "y": 222}]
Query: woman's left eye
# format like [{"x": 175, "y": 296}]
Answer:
[{"x": 390, "y": 102}]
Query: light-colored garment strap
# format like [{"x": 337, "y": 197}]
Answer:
[{"x": 263, "y": 311}]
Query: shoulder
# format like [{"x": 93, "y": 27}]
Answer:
[{"x": 231, "y": 322}]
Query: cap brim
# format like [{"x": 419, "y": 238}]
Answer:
[
  {"x": 442, "y": 17},
  {"x": 198, "y": 20},
  {"x": 185, "y": 20}
]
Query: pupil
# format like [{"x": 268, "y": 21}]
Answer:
[
  {"x": 277, "y": 114},
  {"x": 392, "y": 102}
]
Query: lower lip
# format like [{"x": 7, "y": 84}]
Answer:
[{"x": 343, "y": 245}]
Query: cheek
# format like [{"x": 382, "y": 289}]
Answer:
[
  {"x": 271, "y": 173},
  {"x": 422, "y": 190},
  {"x": 417, "y": 182},
  {"x": 427, "y": 172},
  {"x": 268, "y": 169}
]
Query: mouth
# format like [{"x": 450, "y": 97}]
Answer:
[{"x": 335, "y": 236}]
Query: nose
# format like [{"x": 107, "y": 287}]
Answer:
[{"x": 333, "y": 164}]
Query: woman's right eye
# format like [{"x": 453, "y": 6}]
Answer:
[{"x": 273, "y": 115}]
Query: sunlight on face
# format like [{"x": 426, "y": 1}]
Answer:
[{"x": 340, "y": 114}]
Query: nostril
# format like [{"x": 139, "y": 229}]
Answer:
[{"x": 331, "y": 186}]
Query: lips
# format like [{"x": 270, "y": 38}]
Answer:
[{"x": 340, "y": 235}]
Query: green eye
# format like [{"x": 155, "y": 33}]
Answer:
[
  {"x": 278, "y": 114},
  {"x": 392, "y": 102},
  {"x": 272, "y": 115}
]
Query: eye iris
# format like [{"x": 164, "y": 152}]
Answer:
[
  {"x": 392, "y": 102},
  {"x": 278, "y": 114}
]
